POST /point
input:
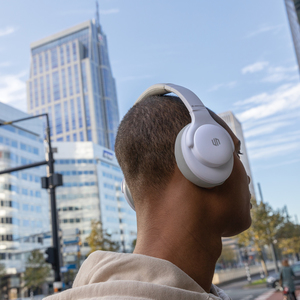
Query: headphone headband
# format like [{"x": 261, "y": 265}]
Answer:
[{"x": 198, "y": 112}]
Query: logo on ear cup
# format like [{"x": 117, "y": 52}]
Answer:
[{"x": 216, "y": 142}]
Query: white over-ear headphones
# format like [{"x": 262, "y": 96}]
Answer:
[{"x": 203, "y": 148}]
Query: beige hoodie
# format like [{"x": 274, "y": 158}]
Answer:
[{"x": 115, "y": 276}]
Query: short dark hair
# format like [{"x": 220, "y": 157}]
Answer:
[{"x": 145, "y": 142}]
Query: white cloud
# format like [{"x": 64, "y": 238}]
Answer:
[
  {"x": 256, "y": 67},
  {"x": 277, "y": 74},
  {"x": 13, "y": 90},
  {"x": 229, "y": 85},
  {"x": 283, "y": 99},
  {"x": 7, "y": 30},
  {"x": 265, "y": 28},
  {"x": 271, "y": 124}
]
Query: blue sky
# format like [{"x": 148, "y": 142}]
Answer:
[{"x": 235, "y": 55}]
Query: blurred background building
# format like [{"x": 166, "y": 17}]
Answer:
[
  {"x": 91, "y": 191},
  {"x": 237, "y": 129},
  {"x": 24, "y": 206},
  {"x": 71, "y": 80},
  {"x": 293, "y": 13}
]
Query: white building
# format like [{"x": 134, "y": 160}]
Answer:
[
  {"x": 24, "y": 206},
  {"x": 91, "y": 191},
  {"x": 237, "y": 129}
]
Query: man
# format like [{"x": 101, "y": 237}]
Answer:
[{"x": 180, "y": 225}]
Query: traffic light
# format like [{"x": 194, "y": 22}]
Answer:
[{"x": 51, "y": 257}]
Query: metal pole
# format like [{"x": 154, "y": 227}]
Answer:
[{"x": 55, "y": 239}]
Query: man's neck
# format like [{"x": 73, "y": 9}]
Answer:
[{"x": 194, "y": 253}]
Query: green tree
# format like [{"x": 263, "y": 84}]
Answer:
[
  {"x": 289, "y": 239},
  {"x": 266, "y": 223},
  {"x": 37, "y": 270},
  {"x": 100, "y": 239}
]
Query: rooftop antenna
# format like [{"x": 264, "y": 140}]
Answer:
[{"x": 97, "y": 14}]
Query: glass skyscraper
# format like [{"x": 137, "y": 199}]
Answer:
[
  {"x": 293, "y": 13},
  {"x": 71, "y": 80}
]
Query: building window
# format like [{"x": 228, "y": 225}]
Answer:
[
  {"x": 81, "y": 136},
  {"x": 34, "y": 65},
  {"x": 73, "y": 115},
  {"x": 74, "y": 51},
  {"x": 89, "y": 135},
  {"x": 87, "y": 110},
  {"x": 55, "y": 79},
  {"x": 68, "y": 138},
  {"x": 41, "y": 63},
  {"x": 48, "y": 88},
  {"x": 62, "y": 59},
  {"x": 42, "y": 90},
  {"x": 70, "y": 81},
  {"x": 66, "y": 111},
  {"x": 36, "y": 92},
  {"x": 84, "y": 79},
  {"x": 58, "y": 120},
  {"x": 46, "y": 61},
  {"x": 79, "y": 110},
  {"x": 61, "y": 139},
  {"x": 64, "y": 86},
  {"x": 74, "y": 137},
  {"x": 54, "y": 61},
  {"x": 77, "y": 87},
  {"x": 68, "y": 54}
]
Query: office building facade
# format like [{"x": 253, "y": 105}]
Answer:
[
  {"x": 91, "y": 191},
  {"x": 71, "y": 80},
  {"x": 24, "y": 205},
  {"x": 237, "y": 129},
  {"x": 293, "y": 13}
]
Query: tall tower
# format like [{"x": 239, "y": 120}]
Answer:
[
  {"x": 236, "y": 127},
  {"x": 71, "y": 79},
  {"x": 293, "y": 12}
]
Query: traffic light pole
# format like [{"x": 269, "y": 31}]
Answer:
[{"x": 51, "y": 185}]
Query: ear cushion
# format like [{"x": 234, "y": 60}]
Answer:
[
  {"x": 195, "y": 171},
  {"x": 127, "y": 194}
]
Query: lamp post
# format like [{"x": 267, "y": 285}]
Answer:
[{"x": 50, "y": 182}]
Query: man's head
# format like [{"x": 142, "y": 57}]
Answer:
[
  {"x": 145, "y": 142},
  {"x": 145, "y": 150}
]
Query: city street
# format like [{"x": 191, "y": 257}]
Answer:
[{"x": 240, "y": 291}]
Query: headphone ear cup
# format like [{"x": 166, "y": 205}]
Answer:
[
  {"x": 181, "y": 162},
  {"x": 206, "y": 177},
  {"x": 127, "y": 194}
]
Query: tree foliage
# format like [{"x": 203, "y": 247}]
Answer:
[
  {"x": 100, "y": 239},
  {"x": 266, "y": 225},
  {"x": 37, "y": 270},
  {"x": 289, "y": 238}
]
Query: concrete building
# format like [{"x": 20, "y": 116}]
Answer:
[
  {"x": 237, "y": 129},
  {"x": 91, "y": 191},
  {"x": 24, "y": 206},
  {"x": 293, "y": 13},
  {"x": 71, "y": 79}
]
